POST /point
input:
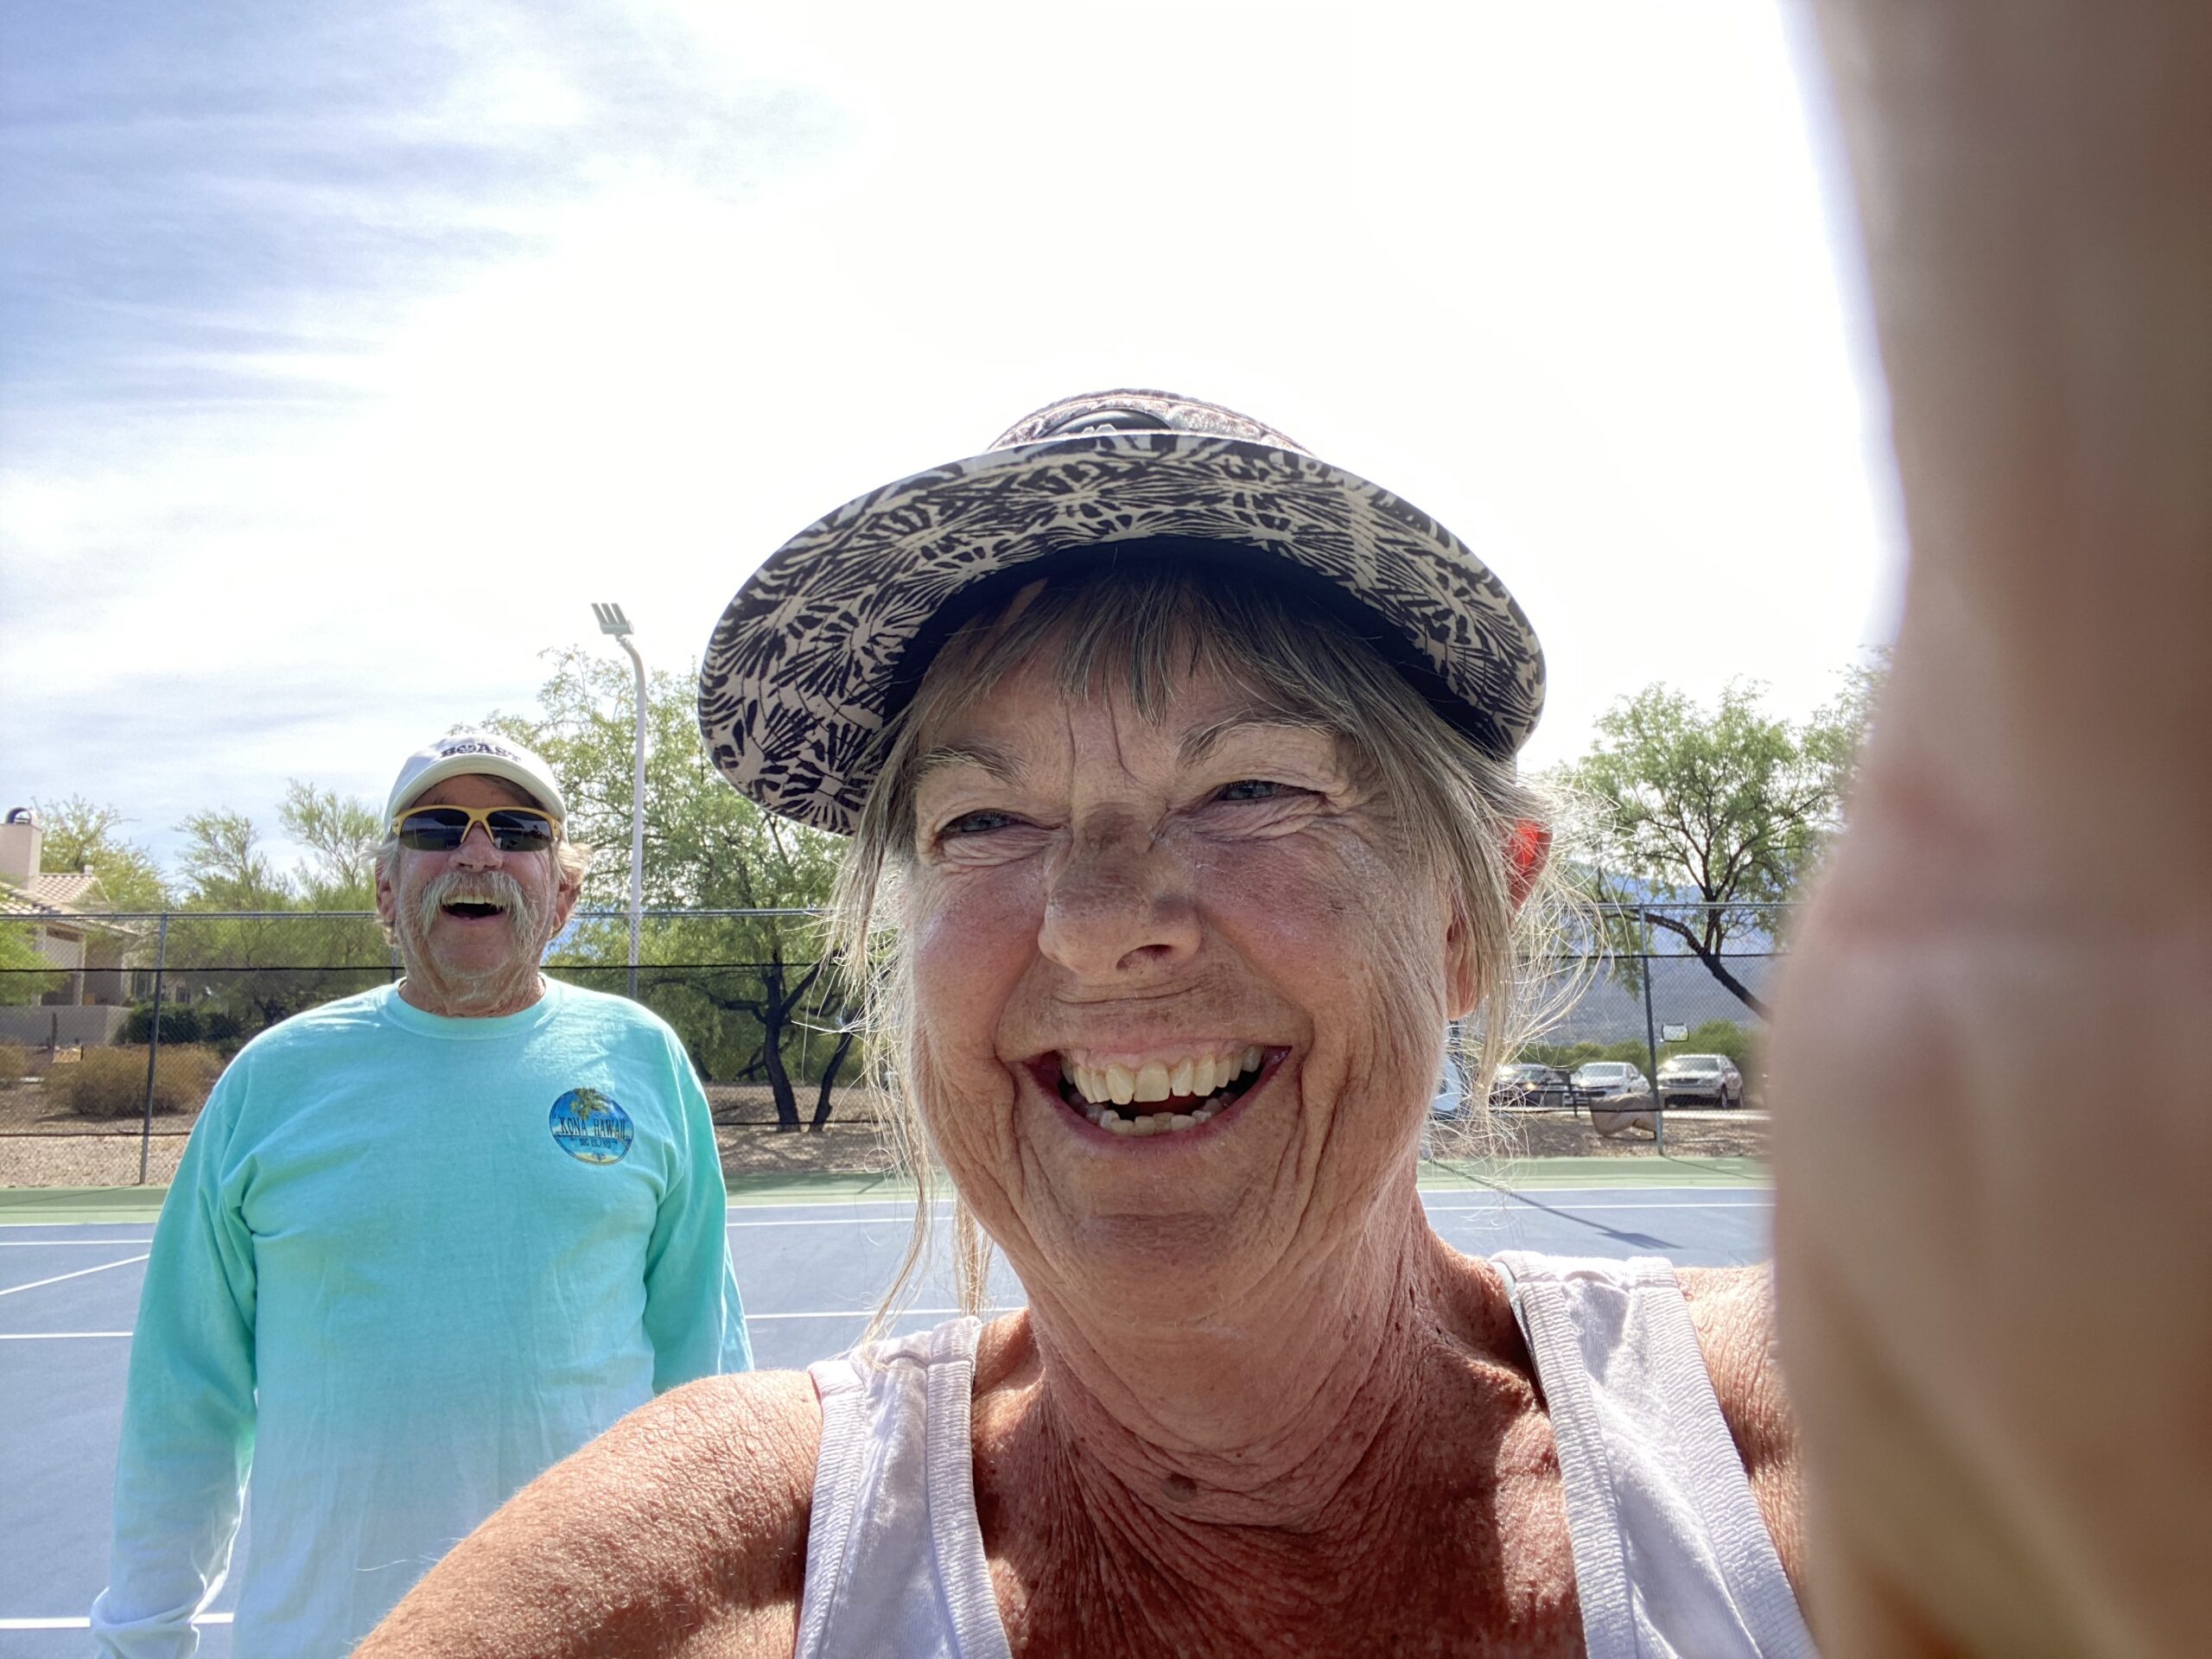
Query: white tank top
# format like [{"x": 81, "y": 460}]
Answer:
[{"x": 1672, "y": 1558}]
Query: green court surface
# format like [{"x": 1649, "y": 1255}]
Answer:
[{"x": 20, "y": 1205}]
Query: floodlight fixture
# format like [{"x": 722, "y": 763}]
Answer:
[{"x": 611, "y": 620}]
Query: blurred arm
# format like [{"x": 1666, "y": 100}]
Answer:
[
  {"x": 681, "y": 1530},
  {"x": 1993, "y": 1154}
]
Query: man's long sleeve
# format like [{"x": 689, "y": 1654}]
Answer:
[
  {"x": 694, "y": 1316},
  {"x": 188, "y": 1421}
]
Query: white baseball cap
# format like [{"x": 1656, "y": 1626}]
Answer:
[{"x": 485, "y": 754}]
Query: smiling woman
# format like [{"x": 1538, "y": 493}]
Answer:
[
  {"x": 1178, "y": 768},
  {"x": 1254, "y": 1406},
  {"x": 1275, "y": 729}
]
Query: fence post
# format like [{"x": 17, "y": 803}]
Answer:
[
  {"x": 1652, "y": 1047},
  {"x": 153, "y": 1047}
]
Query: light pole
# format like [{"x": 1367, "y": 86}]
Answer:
[{"x": 611, "y": 621}]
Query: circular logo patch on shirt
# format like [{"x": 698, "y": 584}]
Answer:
[{"x": 590, "y": 1128}]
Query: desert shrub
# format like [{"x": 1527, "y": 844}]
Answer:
[
  {"x": 15, "y": 1061},
  {"x": 112, "y": 1082},
  {"x": 180, "y": 1024},
  {"x": 186, "y": 1023}
]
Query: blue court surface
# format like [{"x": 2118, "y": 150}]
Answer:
[{"x": 810, "y": 1272}]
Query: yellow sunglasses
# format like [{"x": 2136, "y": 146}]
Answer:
[{"x": 442, "y": 829}]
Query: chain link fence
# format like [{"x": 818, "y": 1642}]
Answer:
[{"x": 105, "y": 1064}]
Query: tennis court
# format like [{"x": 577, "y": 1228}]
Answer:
[{"x": 811, "y": 1267}]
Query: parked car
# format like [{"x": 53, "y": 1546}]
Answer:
[
  {"x": 1620, "y": 1097},
  {"x": 1709, "y": 1079},
  {"x": 1527, "y": 1084},
  {"x": 1451, "y": 1097},
  {"x": 1607, "y": 1080}
]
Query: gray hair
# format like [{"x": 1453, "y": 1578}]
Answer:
[
  {"x": 1144, "y": 628},
  {"x": 574, "y": 858}
]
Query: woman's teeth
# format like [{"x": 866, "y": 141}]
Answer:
[
  {"x": 1158, "y": 1124},
  {"x": 1197, "y": 1085}
]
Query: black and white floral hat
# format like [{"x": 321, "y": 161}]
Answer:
[{"x": 829, "y": 638}]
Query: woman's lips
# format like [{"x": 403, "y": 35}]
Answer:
[{"x": 1174, "y": 1111}]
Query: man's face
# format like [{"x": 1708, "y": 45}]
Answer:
[{"x": 472, "y": 924}]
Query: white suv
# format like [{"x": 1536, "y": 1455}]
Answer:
[{"x": 1711, "y": 1078}]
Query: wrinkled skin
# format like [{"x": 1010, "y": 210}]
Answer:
[
  {"x": 466, "y": 967},
  {"x": 1213, "y": 1361},
  {"x": 1107, "y": 899}
]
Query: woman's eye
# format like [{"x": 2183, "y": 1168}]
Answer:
[
  {"x": 1253, "y": 789},
  {"x": 975, "y": 823}
]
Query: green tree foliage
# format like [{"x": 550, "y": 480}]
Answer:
[
  {"x": 25, "y": 973},
  {"x": 226, "y": 865},
  {"x": 751, "y": 994},
  {"x": 1834, "y": 737},
  {"x": 79, "y": 835},
  {"x": 340, "y": 833},
  {"x": 247, "y": 973},
  {"x": 1714, "y": 810}
]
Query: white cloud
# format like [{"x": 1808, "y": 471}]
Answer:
[{"x": 643, "y": 290}]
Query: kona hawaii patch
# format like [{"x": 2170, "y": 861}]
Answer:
[{"x": 590, "y": 1128}]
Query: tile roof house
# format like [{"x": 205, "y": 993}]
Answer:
[{"x": 56, "y": 911}]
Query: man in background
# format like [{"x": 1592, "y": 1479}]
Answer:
[{"x": 425, "y": 1243}]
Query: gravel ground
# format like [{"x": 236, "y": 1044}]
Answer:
[{"x": 39, "y": 1146}]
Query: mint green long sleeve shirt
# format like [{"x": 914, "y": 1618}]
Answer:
[{"x": 408, "y": 1262}]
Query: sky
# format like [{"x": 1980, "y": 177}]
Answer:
[{"x": 349, "y": 354}]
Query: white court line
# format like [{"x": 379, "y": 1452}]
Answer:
[
  {"x": 56, "y": 1243},
  {"x": 904, "y": 1206},
  {"x": 1498, "y": 1204},
  {"x": 750, "y": 1319},
  {"x": 84, "y": 1623},
  {"x": 36, "y": 1283},
  {"x": 832, "y": 1221},
  {"x": 1587, "y": 1209},
  {"x": 869, "y": 1314}
]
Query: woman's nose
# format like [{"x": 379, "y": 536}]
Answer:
[{"x": 1120, "y": 904}]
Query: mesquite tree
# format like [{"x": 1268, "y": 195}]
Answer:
[{"x": 1687, "y": 819}]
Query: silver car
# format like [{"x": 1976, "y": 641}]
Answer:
[
  {"x": 1607, "y": 1081},
  {"x": 1700, "y": 1079}
]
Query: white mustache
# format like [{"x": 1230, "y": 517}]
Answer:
[{"x": 480, "y": 887}]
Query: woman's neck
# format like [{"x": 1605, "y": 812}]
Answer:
[
  {"x": 1311, "y": 1472},
  {"x": 1264, "y": 1412}
]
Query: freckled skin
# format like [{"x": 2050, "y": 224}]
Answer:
[
  {"x": 1125, "y": 905},
  {"x": 1255, "y": 1406}
]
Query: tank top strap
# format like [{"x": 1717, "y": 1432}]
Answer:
[
  {"x": 894, "y": 1556},
  {"x": 1671, "y": 1557}
]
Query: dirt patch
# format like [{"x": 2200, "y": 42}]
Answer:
[
  {"x": 1689, "y": 1135},
  {"x": 40, "y": 1146},
  {"x": 839, "y": 1149}
]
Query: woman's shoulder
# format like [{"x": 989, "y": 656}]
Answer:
[
  {"x": 1731, "y": 1309},
  {"x": 683, "y": 1528}
]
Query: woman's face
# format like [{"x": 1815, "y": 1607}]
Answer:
[{"x": 1213, "y": 906}]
